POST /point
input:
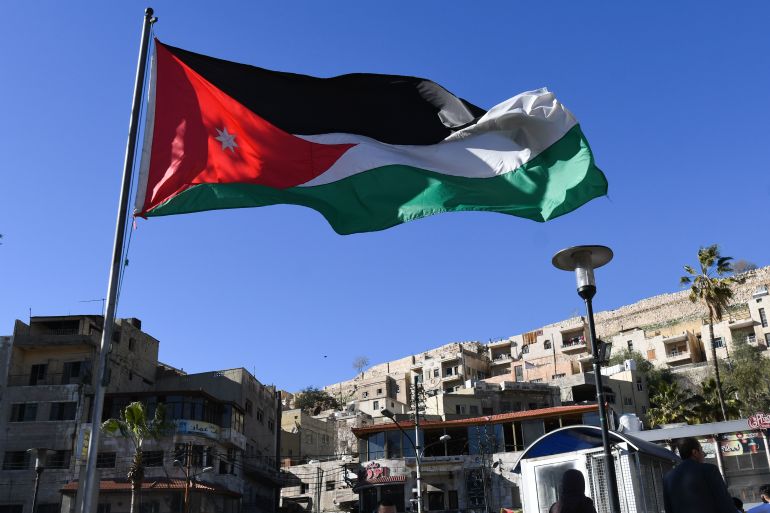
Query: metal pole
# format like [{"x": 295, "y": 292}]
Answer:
[
  {"x": 609, "y": 463},
  {"x": 117, "y": 253},
  {"x": 38, "y": 471},
  {"x": 417, "y": 455}
]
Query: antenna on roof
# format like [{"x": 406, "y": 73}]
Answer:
[{"x": 94, "y": 301}]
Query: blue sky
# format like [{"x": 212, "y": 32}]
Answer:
[{"x": 672, "y": 96}]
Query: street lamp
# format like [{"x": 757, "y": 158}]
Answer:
[
  {"x": 583, "y": 260},
  {"x": 39, "y": 454},
  {"x": 418, "y": 454},
  {"x": 188, "y": 478}
]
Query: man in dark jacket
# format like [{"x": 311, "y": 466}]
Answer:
[{"x": 694, "y": 486}]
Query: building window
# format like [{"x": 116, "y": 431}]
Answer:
[
  {"x": 518, "y": 372},
  {"x": 365, "y": 394},
  {"x": 630, "y": 345},
  {"x": 303, "y": 488},
  {"x": 23, "y": 412},
  {"x": 271, "y": 425},
  {"x": 627, "y": 401},
  {"x": 58, "y": 459},
  {"x": 260, "y": 415},
  {"x": 249, "y": 407},
  {"x": 459, "y": 409},
  {"x": 330, "y": 485},
  {"x": 718, "y": 342},
  {"x": 763, "y": 317},
  {"x": 536, "y": 380},
  {"x": 16, "y": 460},
  {"x": 559, "y": 375},
  {"x": 639, "y": 385},
  {"x": 105, "y": 460},
  {"x": 650, "y": 354},
  {"x": 152, "y": 458},
  {"x": 525, "y": 349},
  {"x": 474, "y": 410},
  {"x": 38, "y": 373},
  {"x": 375, "y": 405},
  {"x": 453, "y": 502},
  {"x": 131, "y": 344},
  {"x": 379, "y": 391},
  {"x": 63, "y": 411},
  {"x": 73, "y": 372},
  {"x": 546, "y": 344}
]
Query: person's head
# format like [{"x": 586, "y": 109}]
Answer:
[
  {"x": 690, "y": 449},
  {"x": 573, "y": 482},
  {"x": 764, "y": 493},
  {"x": 386, "y": 506},
  {"x": 738, "y": 504}
]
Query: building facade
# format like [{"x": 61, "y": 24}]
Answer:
[{"x": 223, "y": 426}]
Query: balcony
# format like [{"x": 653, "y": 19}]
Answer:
[
  {"x": 675, "y": 338},
  {"x": 50, "y": 379},
  {"x": 57, "y": 339},
  {"x": 574, "y": 345},
  {"x": 501, "y": 358},
  {"x": 741, "y": 323},
  {"x": 232, "y": 437},
  {"x": 451, "y": 377},
  {"x": 678, "y": 356}
]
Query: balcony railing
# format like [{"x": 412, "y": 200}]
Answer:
[
  {"x": 25, "y": 380},
  {"x": 574, "y": 341}
]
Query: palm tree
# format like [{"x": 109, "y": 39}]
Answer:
[
  {"x": 134, "y": 425},
  {"x": 706, "y": 406},
  {"x": 669, "y": 404},
  {"x": 711, "y": 285}
]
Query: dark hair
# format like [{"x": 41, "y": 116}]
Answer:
[
  {"x": 764, "y": 490},
  {"x": 686, "y": 446},
  {"x": 738, "y": 503},
  {"x": 386, "y": 502},
  {"x": 572, "y": 497}
]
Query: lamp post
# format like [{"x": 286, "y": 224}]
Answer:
[
  {"x": 416, "y": 446},
  {"x": 583, "y": 260},
  {"x": 39, "y": 454},
  {"x": 188, "y": 478}
]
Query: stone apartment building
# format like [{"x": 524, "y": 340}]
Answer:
[{"x": 225, "y": 420}]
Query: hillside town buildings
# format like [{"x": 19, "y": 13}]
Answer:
[{"x": 246, "y": 444}]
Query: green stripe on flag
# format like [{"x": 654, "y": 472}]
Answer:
[{"x": 560, "y": 179}]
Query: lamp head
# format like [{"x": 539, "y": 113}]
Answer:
[
  {"x": 39, "y": 453},
  {"x": 206, "y": 469},
  {"x": 178, "y": 463},
  {"x": 583, "y": 260},
  {"x": 445, "y": 438},
  {"x": 387, "y": 413}
]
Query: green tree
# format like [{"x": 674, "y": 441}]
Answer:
[
  {"x": 705, "y": 404},
  {"x": 712, "y": 285},
  {"x": 134, "y": 425},
  {"x": 748, "y": 377},
  {"x": 669, "y": 404},
  {"x": 315, "y": 400}
]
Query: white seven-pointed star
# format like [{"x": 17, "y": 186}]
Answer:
[{"x": 227, "y": 140}]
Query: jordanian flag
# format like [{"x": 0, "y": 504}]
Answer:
[{"x": 367, "y": 151}]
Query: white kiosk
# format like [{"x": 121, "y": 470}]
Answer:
[{"x": 639, "y": 465}]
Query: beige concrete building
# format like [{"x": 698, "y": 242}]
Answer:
[{"x": 227, "y": 418}]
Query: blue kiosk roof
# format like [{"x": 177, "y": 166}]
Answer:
[{"x": 577, "y": 438}]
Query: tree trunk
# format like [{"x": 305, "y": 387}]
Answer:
[
  {"x": 716, "y": 366},
  {"x": 133, "y": 498}
]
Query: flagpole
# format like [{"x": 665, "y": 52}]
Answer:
[{"x": 102, "y": 371}]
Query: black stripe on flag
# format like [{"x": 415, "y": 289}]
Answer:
[{"x": 389, "y": 108}]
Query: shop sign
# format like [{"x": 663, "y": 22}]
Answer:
[
  {"x": 740, "y": 443},
  {"x": 197, "y": 427},
  {"x": 374, "y": 471},
  {"x": 759, "y": 421}
]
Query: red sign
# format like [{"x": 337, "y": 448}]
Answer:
[
  {"x": 374, "y": 470},
  {"x": 759, "y": 421}
]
